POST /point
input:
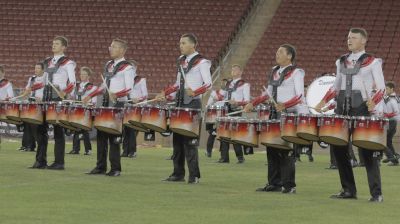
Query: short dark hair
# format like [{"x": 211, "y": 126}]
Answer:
[
  {"x": 1, "y": 68},
  {"x": 87, "y": 70},
  {"x": 291, "y": 50},
  {"x": 361, "y": 31},
  {"x": 390, "y": 85},
  {"x": 192, "y": 38},
  {"x": 122, "y": 43},
  {"x": 62, "y": 39},
  {"x": 237, "y": 65},
  {"x": 41, "y": 65}
]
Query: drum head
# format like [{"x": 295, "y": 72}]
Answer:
[
  {"x": 317, "y": 90},
  {"x": 296, "y": 140},
  {"x": 32, "y": 121},
  {"x": 108, "y": 130},
  {"x": 80, "y": 126},
  {"x": 184, "y": 132},
  {"x": 333, "y": 140},
  {"x": 153, "y": 127},
  {"x": 283, "y": 147},
  {"x": 307, "y": 136},
  {"x": 369, "y": 145},
  {"x": 137, "y": 126}
]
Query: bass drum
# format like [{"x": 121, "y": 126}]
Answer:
[{"x": 316, "y": 91}]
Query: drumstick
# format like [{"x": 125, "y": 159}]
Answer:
[
  {"x": 236, "y": 112},
  {"x": 272, "y": 98},
  {"x": 105, "y": 84},
  {"x": 148, "y": 101},
  {"x": 14, "y": 98},
  {"x": 55, "y": 89}
]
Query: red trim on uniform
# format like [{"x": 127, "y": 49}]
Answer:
[
  {"x": 3, "y": 83},
  {"x": 288, "y": 75}
]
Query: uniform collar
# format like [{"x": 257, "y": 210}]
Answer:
[
  {"x": 283, "y": 68},
  {"x": 57, "y": 57},
  {"x": 119, "y": 60},
  {"x": 356, "y": 56},
  {"x": 190, "y": 56}
]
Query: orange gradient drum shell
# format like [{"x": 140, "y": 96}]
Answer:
[
  {"x": 213, "y": 112},
  {"x": 108, "y": 119},
  {"x": 270, "y": 135},
  {"x": 289, "y": 130},
  {"x": 334, "y": 129},
  {"x": 32, "y": 113},
  {"x": 3, "y": 116},
  {"x": 132, "y": 118},
  {"x": 80, "y": 117},
  {"x": 154, "y": 118},
  {"x": 263, "y": 112},
  {"x": 185, "y": 121},
  {"x": 369, "y": 133},
  {"x": 307, "y": 127},
  {"x": 223, "y": 128},
  {"x": 12, "y": 111},
  {"x": 244, "y": 132}
]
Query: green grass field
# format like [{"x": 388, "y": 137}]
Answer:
[{"x": 226, "y": 193}]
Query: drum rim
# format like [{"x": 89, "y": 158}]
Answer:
[
  {"x": 309, "y": 115},
  {"x": 213, "y": 106},
  {"x": 370, "y": 118},
  {"x": 185, "y": 109}
]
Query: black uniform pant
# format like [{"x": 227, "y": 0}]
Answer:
[
  {"x": 185, "y": 148},
  {"x": 224, "y": 148},
  {"x": 28, "y": 138},
  {"x": 211, "y": 137},
  {"x": 129, "y": 141},
  {"x": 59, "y": 144},
  {"x": 281, "y": 168},
  {"x": 42, "y": 138},
  {"x": 390, "y": 151},
  {"x": 77, "y": 142},
  {"x": 103, "y": 141}
]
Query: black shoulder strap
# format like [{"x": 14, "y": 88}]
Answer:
[{"x": 120, "y": 66}]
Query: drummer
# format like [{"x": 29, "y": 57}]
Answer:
[
  {"x": 83, "y": 89},
  {"x": 6, "y": 89},
  {"x": 286, "y": 85},
  {"x": 237, "y": 94},
  {"x": 357, "y": 74},
  {"x": 34, "y": 90},
  {"x": 118, "y": 75},
  {"x": 393, "y": 114},
  {"x": 193, "y": 79},
  {"x": 60, "y": 83},
  {"x": 139, "y": 93}
]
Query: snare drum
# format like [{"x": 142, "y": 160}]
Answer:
[
  {"x": 307, "y": 127},
  {"x": 108, "y": 119},
  {"x": 51, "y": 112},
  {"x": 154, "y": 118},
  {"x": 223, "y": 128},
  {"x": 80, "y": 117},
  {"x": 370, "y": 132},
  {"x": 185, "y": 121},
  {"x": 263, "y": 112},
  {"x": 32, "y": 113},
  {"x": 270, "y": 135},
  {"x": 289, "y": 130},
  {"x": 132, "y": 117},
  {"x": 244, "y": 131},
  {"x": 334, "y": 129},
  {"x": 3, "y": 116},
  {"x": 214, "y": 111},
  {"x": 12, "y": 110}
]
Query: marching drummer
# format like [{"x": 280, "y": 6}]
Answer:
[
  {"x": 357, "y": 74},
  {"x": 193, "y": 79},
  {"x": 286, "y": 86},
  {"x": 118, "y": 81},
  {"x": 60, "y": 83},
  {"x": 237, "y": 93},
  {"x": 83, "y": 88},
  {"x": 6, "y": 89},
  {"x": 139, "y": 93},
  {"x": 393, "y": 114}
]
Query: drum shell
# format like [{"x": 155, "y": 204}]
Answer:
[
  {"x": 244, "y": 132},
  {"x": 185, "y": 121},
  {"x": 334, "y": 129},
  {"x": 369, "y": 133},
  {"x": 108, "y": 119},
  {"x": 32, "y": 113},
  {"x": 270, "y": 135},
  {"x": 154, "y": 118}
]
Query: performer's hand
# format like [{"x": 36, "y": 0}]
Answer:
[
  {"x": 248, "y": 108},
  {"x": 371, "y": 105},
  {"x": 319, "y": 106},
  {"x": 160, "y": 96},
  {"x": 112, "y": 96},
  {"x": 38, "y": 99},
  {"x": 135, "y": 100},
  {"x": 280, "y": 107},
  {"x": 85, "y": 100},
  {"x": 62, "y": 94},
  {"x": 189, "y": 92}
]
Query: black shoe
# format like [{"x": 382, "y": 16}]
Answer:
[
  {"x": 385, "y": 160},
  {"x": 291, "y": 190},
  {"x": 393, "y": 163},
  {"x": 96, "y": 171},
  {"x": 208, "y": 154},
  {"x": 21, "y": 148},
  {"x": 37, "y": 165},
  {"x": 56, "y": 166},
  {"x": 194, "y": 180},
  {"x": 332, "y": 167},
  {"x": 73, "y": 152},
  {"x": 360, "y": 164},
  {"x": 377, "y": 199},
  {"x": 132, "y": 155},
  {"x": 114, "y": 173},
  {"x": 174, "y": 179},
  {"x": 240, "y": 161},
  {"x": 269, "y": 188},
  {"x": 344, "y": 195},
  {"x": 310, "y": 158},
  {"x": 124, "y": 154},
  {"x": 169, "y": 158},
  {"x": 222, "y": 161}
]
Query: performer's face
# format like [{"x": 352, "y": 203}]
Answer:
[
  {"x": 356, "y": 42},
  {"x": 84, "y": 76},
  {"x": 2, "y": 75},
  {"x": 57, "y": 47},
  {"x": 38, "y": 70},
  {"x": 116, "y": 50},
  {"x": 236, "y": 72},
  {"x": 186, "y": 46},
  {"x": 282, "y": 57},
  {"x": 389, "y": 90}
]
